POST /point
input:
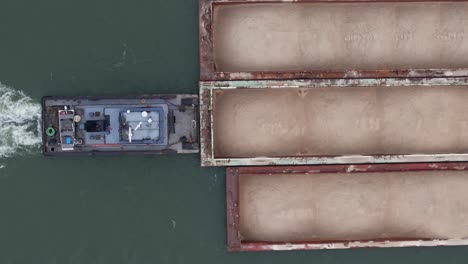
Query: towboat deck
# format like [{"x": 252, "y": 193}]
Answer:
[{"x": 155, "y": 124}]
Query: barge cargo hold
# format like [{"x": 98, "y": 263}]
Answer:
[
  {"x": 156, "y": 124},
  {"x": 335, "y": 121},
  {"x": 346, "y": 206},
  {"x": 277, "y": 39}
]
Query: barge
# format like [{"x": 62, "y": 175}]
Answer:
[
  {"x": 277, "y": 39},
  {"x": 157, "y": 124},
  {"x": 332, "y": 82},
  {"x": 362, "y": 95},
  {"x": 335, "y": 121},
  {"x": 346, "y": 206}
]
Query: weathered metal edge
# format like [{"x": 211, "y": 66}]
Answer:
[
  {"x": 232, "y": 209},
  {"x": 205, "y": 128},
  {"x": 208, "y": 68},
  {"x": 322, "y": 1},
  {"x": 232, "y": 197},
  {"x": 205, "y": 39},
  {"x": 207, "y": 145},
  {"x": 335, "y": 160},
  {"x": 348, "y": 245},
  {"x": 309, "y": 83}
]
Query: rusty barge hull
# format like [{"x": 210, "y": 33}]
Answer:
[
  {"x": 377, "y": 205},
  {"x": 244, "y": 40},
  {"x": 334, "y": 121}
]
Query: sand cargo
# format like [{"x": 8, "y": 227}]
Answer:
[
  {"x": 277, "y": 39},
  {"x": 322, "y": 82},
  {"x": 346, "y": 206},
  {"x": 337, "y": 121}
]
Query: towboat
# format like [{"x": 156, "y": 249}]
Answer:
[{"x": 156, "y": 124}]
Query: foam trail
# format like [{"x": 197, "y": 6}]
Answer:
[{"x": 20, "y": 123}]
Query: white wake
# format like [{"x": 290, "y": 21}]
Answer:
[{"x": 20, "y": 123}]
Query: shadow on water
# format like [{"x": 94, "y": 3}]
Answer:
[{"x": 20, "y": 123}]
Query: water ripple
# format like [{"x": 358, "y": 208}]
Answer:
[{"x": 20, "y": 123}]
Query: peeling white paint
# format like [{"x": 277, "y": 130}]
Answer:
[
  {"x": 241, "y": 75},
  {"x": 351, "y": 74},
  {"x": 209, "y": 161},
  {"x": 354, "y": 244}
]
